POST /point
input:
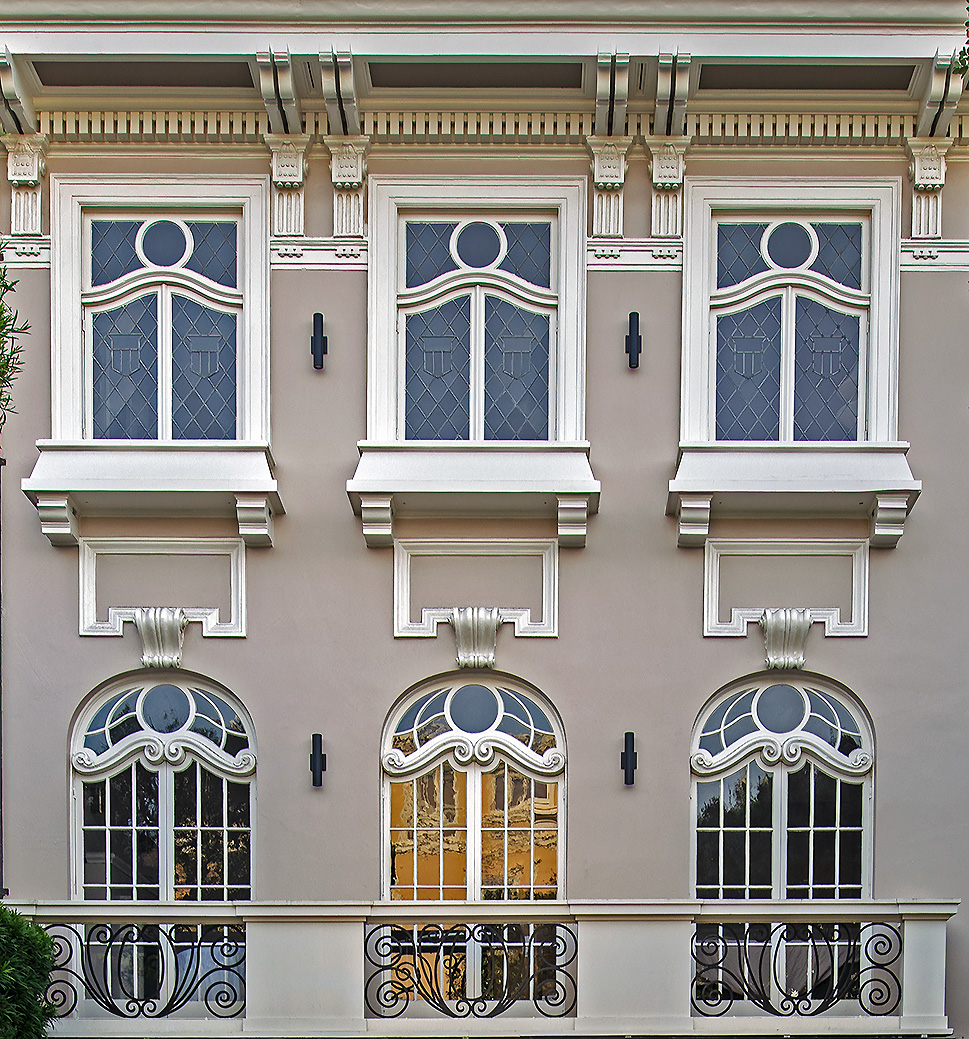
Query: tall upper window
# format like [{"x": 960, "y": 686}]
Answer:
[
  {"x": 163, "y": 772},
  {"x": 782, "y": 793},
  {"x": 162, "y": 306},
  {"x": 473, "y": 793}
]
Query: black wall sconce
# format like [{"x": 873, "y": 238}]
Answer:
[
  {"x": 318, "y": 342},
  {"x": 317, "y": 760},
  {"x": 628, "y": 759},
  {"x": 634, "y": 341}
]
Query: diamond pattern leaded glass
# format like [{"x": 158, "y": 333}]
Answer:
[
  {"x": 215, "y": 252},
  {"x": 738, "y": 253},
  {"x": 203, "y": 372},
  {"x": 516, "y": 372},
  {"x": 826, "y": 344},
  {"x": 125, "y": 383},
  {"x": 428, "y": 254},
  {"x": 529, "y": 252},
  {"x": 749, "y": 373},
  {"x": 839, "y": 253},
  {"x": 113, "y": 250},
  {"x": 438, "y": 371}
]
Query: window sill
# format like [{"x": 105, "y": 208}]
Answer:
[
  {"x": 850, "y": 481},
  {"x": 149, "y": 478},
  {"x": 430, "y": 478}
]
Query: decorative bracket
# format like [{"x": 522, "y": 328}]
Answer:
[
  {"x": 608, "y": 176},
  {"x": 255, "y": 518},
  {"x": 26, "y": 166},
  {"x": 943, "y": 85},
  {"x": 693, "y": 520},
  {"x": 573, "y": 521},
  {"x": 888, "y": 520},
  {"x": 288, "y": 172},
  {"x": 612, "y": 92},
  {"x": 348, "y": 168},
  {"x": 785, "y": 633},
  {"x": 377, "y": 519},
  {"x": 339, "y": 91},
  {"x": 162, "y": 631},
  {"x": 672, "y": 91},
  {"x": 926, "y": 171},
  {"x": 667, "y": 164},
  {"x": 475, "y": 634},
  {"x": 278, "y": 88},
  {"x": 17, "y": 115}
]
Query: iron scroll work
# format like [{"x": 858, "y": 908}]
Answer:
[
  {"x": 134, "y": 970},
  {"x": 797, "y": 969},
  {"x": 477, "y": 970}
]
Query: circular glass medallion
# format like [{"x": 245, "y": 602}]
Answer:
[
  {"x": 789, "y": 246},
  {"x": 478, "y": 244},
  {"x": 780, "y": 708},
  {"x": 165, "y": 708},
  {"x": 164, "y": 243},
  {"x": 473, "y": 708}
]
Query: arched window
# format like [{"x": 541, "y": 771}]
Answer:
[
  {"x": 782, "y": 780},
  {"x": 473, "y": 792},
  {"x": 163, "y": 782}
]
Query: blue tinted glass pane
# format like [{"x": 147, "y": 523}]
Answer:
[
  {"x": 215, "y": 252},
  {"x": 478, "y": 244},
  {"x": 516, "y": 372},
  {"x": 825, "y": 372},
  {"x": 126, "y": 371},
  {"x": 789, "y": 245},
  {"x": 428, "y": 252},
  {"x": 438, "y": 372},
  {"x": 203, "y": 372},
  {"x": 529, "y": 252},
  {"x": 163, "y": 243},
  {"x": 749, "y": 373},
  {"x": 738, "y": 253},
  {"x": 113, "y": 249},
  {"x": 839, "y": 253}
]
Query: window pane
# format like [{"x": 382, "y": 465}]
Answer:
[
  {"x": 825, "y": 799},
  {"x": 799, "y": 797},
  {"x": 735, "y": 857},
  {"x": 211, "y": 799},
  {"x": 203, "y": 372},
  {"x": 237, "y": 804},
  {"x": 850, "y": 804},
  {"x": 839, "y": 253},
  {"x": 735, "y": 799},
  {"x": 749, "y": 373},
  {"x": 125, "y": 386},
  {"x": 798, "y": 857},
  {"x": 849, "y": 866},
  {"x": 826, "y": 345},
  {"x": 95, "y": 864},
  {"x": 113, "y": 249},
  {"x": 146, "y": 807},
  {"x": 147, "y": 872},
  {"x": 707, "y": 858},
  {"x": 760, "y": 857},
  {"x": 438, "y": 372},
  {"x": 529, "y": 252},
  {"x": 427, "y": 251},
  {"x": 185, "y": 796},
  {"x": 738, "y": 253},
  {"x": 516, "y": 372},
  {"x": 214, "y": 255},
  {"x": 119, "y": 798},
  {"x": 708, "y": 804},
  {"x": 186, "y": 860},
  {"x": 213, "y": 850},
  {"x": 761, "y": 797},
  {"x": 94, "y": 804}
]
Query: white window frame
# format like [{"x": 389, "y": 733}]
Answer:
[
  {"x": 75, "y": 197},
  {"x": 878, "y": 200},
  {"x": 460, "y": 197}
]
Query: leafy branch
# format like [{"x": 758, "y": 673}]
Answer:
[{"x": 11, "y": 328}]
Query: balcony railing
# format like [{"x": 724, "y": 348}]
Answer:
[{"x": 607, "y": 968}]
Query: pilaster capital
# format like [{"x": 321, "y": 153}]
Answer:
[
  {"x": 667, "y": 161},
  {"x": 348, "y": 165},
  {"x": 608, "y": 161},
  {"x": 26, "y": 158},
  {"x": 926, "y": 167},
  {"x": 289, "y": 158}
]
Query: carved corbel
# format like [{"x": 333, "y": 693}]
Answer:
[
  {"x": 785, "y": 634},
  {"x": 693, "y": 520},
  {"x": 348, "y": 168},
  {"x": 475, "y": 635},
  {"x": 888, "y": 520},
  {"x": 162, "y": 631},
  {"x": 288, "y": 173},
  {"x": 667, "y": 165},
  {"x": 608, "y": 177},
  {"x": 377, "y": 518},
  {"x": 26, "y": 166},
  {"x": 926, "y": 171}
]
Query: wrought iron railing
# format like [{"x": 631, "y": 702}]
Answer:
[
  {"x": 148, "y": 970},
  {"x": 797, "y": 969},
  {"x": 471, "y": 969}
]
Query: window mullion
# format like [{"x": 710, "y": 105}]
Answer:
[
  {"x": 779, "y": 851},
  {"x": 164, "y": 355},
  {"x": 788, "y": 308},
  {"x": 166, "y": 833},
  {"x": 477, "y": 388},
  {"x": 474, "y": 812}
]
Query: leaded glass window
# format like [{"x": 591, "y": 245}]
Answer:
[
  {"x": 782, "y": 794},
  {"x": 164, "y": 772},
  {"x": 477, "y": 310},
  {"x": 789, "y": 311},
  {"x": 162, "y": 309},
  {"x": 474, "y": 774}
]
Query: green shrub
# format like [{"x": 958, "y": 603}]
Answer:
[
  {"x": 26, "y": 962},
  {"x": 10, "y": 330}
]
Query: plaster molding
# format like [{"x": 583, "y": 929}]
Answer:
[
  {"x": 348, "y": 171},
  {"x": 17, "y": 114},
  {"x": 26, "y": 167},
  {"x": 254, "y": 515},
  {"x": 466, "y": 749},
  {"x": 26, "y": 252},
  {"x": 635, "y": 254},
  {"x": 888, "y": 519},
  {"x": 475, "y": 634},
  {"x": 772, "y": 750},
  {"x": 573, "y": 521},
  {"x": 667, "y": 166},
  {"x": 288, "y": 174},
  {"x": 926, "y": 171},
  {"x": 785, "y": 634},
  {"x": 58, "y": 519},
  {"x": 318, "y": 254},
  {"x": 693, "y": 520},
  {"x": 741, "y": 617},
  {"x": 949, "y": 254},
  {"x": 405, "y": 550},
  {"x": 162, "y": 631},
  {"x": 92, "y": 549},
  {"x": 157, "y": 749},
  {"x": 608, "y": 175},
  {"x": 377, "y": 519}
]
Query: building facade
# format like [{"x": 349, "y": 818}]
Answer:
[{"x": 478, "y": 549}]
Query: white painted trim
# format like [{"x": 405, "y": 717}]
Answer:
[
  {"x": 90, "y": 549},
  {"x": 635, "y": 254},
  {"x": 26, "y": 252},
  {"x": 318, "y": 254},
  {"x": 771, "y": 197},
  {"x": 740, "y": 617},
  {"x": 73, "y": 195},
  {"x": 939, "y": 254},
  {"x": 497, "y": 196},
  {"x": 405, "y": 549}
]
